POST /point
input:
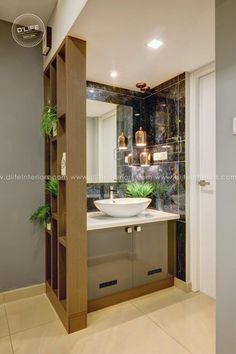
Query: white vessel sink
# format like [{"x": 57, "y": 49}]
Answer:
[{"x": 123, "y": 207}]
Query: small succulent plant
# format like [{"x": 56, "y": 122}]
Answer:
[{"x": 140, "y": 190}]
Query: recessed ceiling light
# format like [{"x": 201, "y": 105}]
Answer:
[
  {"x": 114, "y": 73},
  {"x": 155, "y": 43},
  {"x": 91, "y": 90}
]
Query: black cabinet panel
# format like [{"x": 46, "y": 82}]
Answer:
[
  {"x": 150, "y": 253},
  {"x": 109, "y": 261}
]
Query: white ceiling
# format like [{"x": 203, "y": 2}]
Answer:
[
  {"x": 97, "y": 108},
  {"x": 10, "y": 9},
  {"x": 117, "y": 32}
]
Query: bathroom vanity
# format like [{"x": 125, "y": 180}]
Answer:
[{"x": 127, "y": 257}]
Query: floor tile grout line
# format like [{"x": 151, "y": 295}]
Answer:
[
  {"x": 39, "y": 325},
  {"x": 8, "y": 326},
  {"x": 163, "y": 330}
]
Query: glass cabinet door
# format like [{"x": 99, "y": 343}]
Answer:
[
  {"x": 150, "y": 253},
  {"x": 109, "y": 261}
]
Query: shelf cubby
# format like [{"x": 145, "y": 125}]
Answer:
[{"x": 62, "y": 273}]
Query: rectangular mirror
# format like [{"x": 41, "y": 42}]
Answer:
[{"x": 105, "y": 122}]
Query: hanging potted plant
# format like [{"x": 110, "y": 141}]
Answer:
[
  {"x": 160, "y": 191},
  {"x": 42, "y": 216},
  {"x": 52, "y": 186},
  {"x": 49, "y": 121}
]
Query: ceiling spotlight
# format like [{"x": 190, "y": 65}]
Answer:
[
  {"x": 155, "y": 43},
  {"x": 114, "y": 73}
]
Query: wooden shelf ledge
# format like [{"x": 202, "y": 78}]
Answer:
[
  {"x": 53, "y": 139},
  {"x": 49, "y": 232},
  {"x": 62, "y": 178},
  {"x": 62, "y": 116},
  {"x": 55, "y": 216},
  {"x": 62, "y": 240}
]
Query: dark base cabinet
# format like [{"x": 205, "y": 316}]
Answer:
[
  {"x": 150, "y": 252},
  {"x": 126, "y": 257},
  {"x": 109, "y": 261}
]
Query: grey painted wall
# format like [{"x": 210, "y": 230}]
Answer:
[
  {"x": 21, "y": 152},
  {"x": 226, "y": 165}
]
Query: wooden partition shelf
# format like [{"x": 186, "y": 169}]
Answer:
[{"x": 66, "y": 243}]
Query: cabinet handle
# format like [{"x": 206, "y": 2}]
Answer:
[
  {"x": 129, "y": 230},
  {"x": 138, "y": 228}
]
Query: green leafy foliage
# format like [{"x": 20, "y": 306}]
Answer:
[
  {"x": 140, "y": 190},
  {"x": 49, "y": 119},
  {"x": 160, "y": 190},
  {"x": 52, "y": 186},
  {"x": 42, "y": 215}
]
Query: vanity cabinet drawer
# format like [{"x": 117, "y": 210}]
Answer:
[
  {"x": 109, "y": 261},
  {"x": 150, "y": 247}
]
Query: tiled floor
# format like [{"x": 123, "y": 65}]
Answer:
[{"x": 166, "y": 322}]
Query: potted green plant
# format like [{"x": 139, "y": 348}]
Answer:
[
  {"x": 49, "y": 121},
  {"x": 52, "y": 186},
  {"x": 160, "y": 191},
  {"x": 42, "y": 216},
  {"x": 140, "y": 190}
]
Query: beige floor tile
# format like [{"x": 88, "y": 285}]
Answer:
[
  {"x": 121, "y": 329},
  {"x": 5, "y": 346},
  {"x": 190, "y": 322},
  {"x": 28, "y": 313},
  {"x": 161, "y": 299},
  {"x": 3, "y": 322}
]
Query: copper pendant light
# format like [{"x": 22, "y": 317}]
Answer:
[
  {"x": 145, "y": 158},
  {"x": 141, "y": 137},
  {"x": 130, "y": 160},
  {"x": 122, "y": 142}
]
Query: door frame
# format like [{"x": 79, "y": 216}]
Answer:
[{"x": 193, "y": 173}]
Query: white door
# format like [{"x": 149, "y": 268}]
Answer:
[{"x": 207, "y": 184}]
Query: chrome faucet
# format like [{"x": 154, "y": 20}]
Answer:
[{"x": 112, "y": 190}]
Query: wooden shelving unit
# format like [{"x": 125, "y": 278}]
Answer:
[{"x": 66, "y": 243}]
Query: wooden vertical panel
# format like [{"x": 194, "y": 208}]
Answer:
[
  {"x": 61, "y": 99},
  {"x": 67, "y": 88},
  {"x": 76, "y": 211}
]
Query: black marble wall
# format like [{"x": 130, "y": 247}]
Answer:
[
  {"x": 163, "y": 118},
  {"x": 161, "y": 112}
]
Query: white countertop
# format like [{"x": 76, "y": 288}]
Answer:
[{"x": 97, "y": 220}]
